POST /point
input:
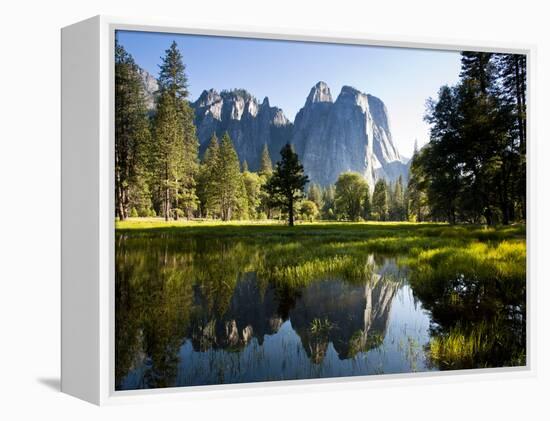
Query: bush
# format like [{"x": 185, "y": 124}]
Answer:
[
  {"x": 134, "y": 213},
  {"x": 309, "y": 210}
]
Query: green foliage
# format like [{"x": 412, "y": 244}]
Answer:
[
  {"x": 286, "y": 185},
  {"x": 367, "y": 206},
  {"x": 174, "y": 151},
  {"x": 315, "y": 194},
  {"x": 350, "y": 193},
  {"x": 473, "y": 169},
  {"x": 329, "y": 195},
  {"x": 266, "y": 167},
  {"x": 397, "y": 208},
  {"x": 227, "y": 183},
  {"x": 253, "y": 186},
  {"x": 380, "y": 201},
  {"x": 132, "y": 134},
  {"x": 167, "y": 152},
  {"x": 417, "y": 201},
  {"x": 206, "y": 191},
  {"x": 309, "y": 210},
  {"x": 134, "y": 213},
  {"x": 172, "y": 78}
]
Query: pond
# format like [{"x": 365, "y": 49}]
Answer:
[{"x": 201, "y": 310}]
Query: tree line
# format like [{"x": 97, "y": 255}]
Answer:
[
  {"x": 157, "y": 167},
  {"x": 158, "y": 171},
  {"x": 473, "y": 170}
]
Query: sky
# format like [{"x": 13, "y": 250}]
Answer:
[{"x": 285, "y": 71}]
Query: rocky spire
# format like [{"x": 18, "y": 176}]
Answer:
[{"x": 319, "y": 93}]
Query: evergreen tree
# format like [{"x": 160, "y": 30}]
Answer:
[
  {"x": 329, "y": 194},
  {"x": 469, "y": 169},
  {"x": 266, "y": 167},
  {"x": 172, "y": 77},
  {"x": 399, "y": 200},
  {"x": 168, "y": 153},
  {"x": 380, "y": 201},
  {"x": 367, "y": 206},
  {"x": 286, "y": 185},
  {"x": 173, "y": 84},
  {"x": 478, "y": 66},
  {"x": 227, "y": 181},
  {"x": 351, "y": 190},
  {"x": 513, "y": 74},
  {"x": 205, "y": 185},
  {"x": 417, "y": 206},
  {"x": 132, "y": 135},
  {"x": 314, "y": 194}
]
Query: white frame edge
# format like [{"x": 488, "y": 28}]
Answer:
[{"x": 87, "y": 324}]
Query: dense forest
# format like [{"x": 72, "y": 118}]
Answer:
[{"x": 473, "y": 169}]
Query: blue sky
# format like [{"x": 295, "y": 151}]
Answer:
[{"x": 285, "y": 71}]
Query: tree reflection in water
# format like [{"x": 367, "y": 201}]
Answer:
[{"x": 197, "y": 310}]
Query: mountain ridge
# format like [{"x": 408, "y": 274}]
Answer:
[{"x": 349, "y": 133}]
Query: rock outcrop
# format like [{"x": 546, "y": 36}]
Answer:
[
  {"x": 249, "y": 123},
  {"x": 349, "y": 134},
  {"x": 150, "y": 88}
]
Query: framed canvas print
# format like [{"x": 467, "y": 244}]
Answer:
[{"x": 289, "y": 209}]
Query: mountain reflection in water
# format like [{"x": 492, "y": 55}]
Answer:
[{"x": 201, "y": 311}]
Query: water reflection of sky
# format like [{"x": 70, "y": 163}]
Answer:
[{"x": 282, "y": 356}]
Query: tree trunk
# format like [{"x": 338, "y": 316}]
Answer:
[
  {"x": 291, "y": 213},
  {"x": 167, "y": 204}
]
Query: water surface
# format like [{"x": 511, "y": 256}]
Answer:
[{"x": 203, "y": 310}]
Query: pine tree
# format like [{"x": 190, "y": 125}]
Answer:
[
  {"x": 172, "y": 77},
  {"x": 173, "y": 84},
  {"x": 168, "y": 153},
  {"x": 367, "y": 206},
  {"x": 266, "y": 167},
  {"x": 286, "y": 185},
  {"x": 513, "y": 74},
  {"x": 380, "y": 201},
  {"x": 227, "y": 181},
  {"x": 205, "y": 184},
  {"x": 399, "y": 200},
  {"x": 478, "y": 66},
  {"x": 132, "y": 134},
  {"x": 314, "y": 194},
  {"x": 329, "y": 194}
]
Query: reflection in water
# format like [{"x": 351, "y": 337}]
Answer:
[{"x": 195, "y": 311}]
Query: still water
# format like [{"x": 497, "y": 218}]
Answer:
[{"x": 200, "y": 311}]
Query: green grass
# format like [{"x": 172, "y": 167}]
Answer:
[{"x": 466, "y": 276}]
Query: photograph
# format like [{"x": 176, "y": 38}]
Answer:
[{"x": 289, "y": 210}]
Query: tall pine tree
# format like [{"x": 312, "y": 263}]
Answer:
[
  {"x": 131, "y": 133},
  {"x": 286, "y": 186},
  {"x": 228, "y": 186},
  {"x": 173, "y": 92}
]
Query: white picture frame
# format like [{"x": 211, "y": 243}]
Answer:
[{"x": 88, "y": 208}]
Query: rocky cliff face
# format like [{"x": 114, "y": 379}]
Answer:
[
  {"x": 249, "y": 123},
  {"x": 150, "y": 88},
  {"x": 349, "y": 134}
]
